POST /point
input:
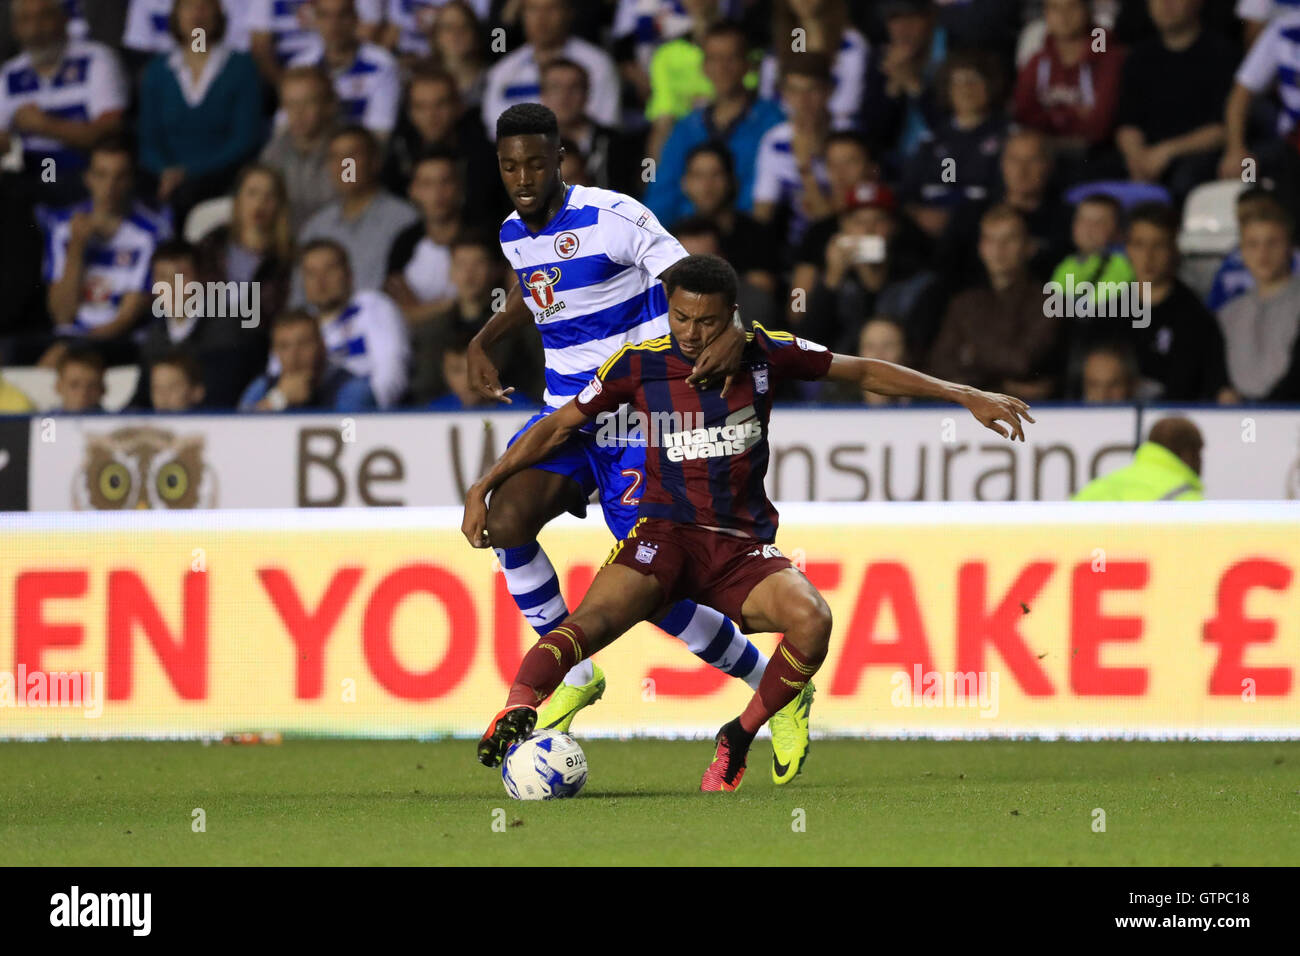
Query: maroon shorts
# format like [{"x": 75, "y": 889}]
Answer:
[{"x": 709, "y": 567}]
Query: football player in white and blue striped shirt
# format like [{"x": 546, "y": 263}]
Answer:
[
  {"x": 366, "y": 78},
  {"x": 59, "y": 95},
  {"x": 588, "y": 263}
]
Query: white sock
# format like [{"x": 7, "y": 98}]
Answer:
[{"x": 581, "y": 673}]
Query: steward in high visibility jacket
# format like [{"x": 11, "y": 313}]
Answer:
[{"x": 1166, "y": 467}]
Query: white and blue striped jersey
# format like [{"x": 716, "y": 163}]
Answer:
[
  {"x": 281, "y": 19},
  {"x": 369, "y": 339},
  {"x": 590, "y": 279},
  {"x": 1275, "y": 55},
  {"x": 113, "y": 268},
  {"x": 369, "y": 88},
  {"x": 516, "y": 78},
  {"x": 148, "y": 26},
  {"x": 848, "y": 74},
  {"x": 413, "y": 18},
  {"x": 87, "y": 83}
]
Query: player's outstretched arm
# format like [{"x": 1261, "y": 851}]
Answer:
[
  {"x": 532, "y": 447},
  {"x": 886, "y": 378},
  {"x": 483, "y": 375}
]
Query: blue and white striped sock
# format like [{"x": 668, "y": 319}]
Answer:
[
  {"x": 711, "y": 637},
  {"x": 533, "y": 583}
]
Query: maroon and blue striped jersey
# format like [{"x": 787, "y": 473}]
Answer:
[{"x": 706, "y": 456}]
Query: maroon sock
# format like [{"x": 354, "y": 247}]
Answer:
[
  {"x": 546, "y": 663},
  {"x": 787, "y": 673}
]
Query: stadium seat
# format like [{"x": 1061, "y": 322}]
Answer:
[
  {"x": 1125, "y": 193},
  {"x": 206, "y": 216},
  {"x": 1210, "y": 219},
  {"x": 38, "y": 385}
]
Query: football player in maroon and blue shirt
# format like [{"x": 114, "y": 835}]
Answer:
[{"x": 706, "y": 527}]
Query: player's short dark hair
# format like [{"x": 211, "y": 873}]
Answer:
[
  {"x": 703, "y": 275},
  {"x": 184, "y": 361},
  {"x": 81, "y": 355},
  {"x": 1158, "y": 214},
  {"x": 528, "y": 119}
]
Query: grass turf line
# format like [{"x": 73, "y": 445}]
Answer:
[{"x": 354, "y": 802}]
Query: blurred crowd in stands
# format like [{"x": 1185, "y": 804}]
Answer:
[{"x": 1062, "y": 199}]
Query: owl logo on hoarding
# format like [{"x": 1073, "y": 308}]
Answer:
[
  {"x": 142, "y": 467},
  {"x": 540, "y": 285}
]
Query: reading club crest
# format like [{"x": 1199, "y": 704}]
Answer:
[
  {"x": 566, "y": 245},
  {"x": 541, "y": 285}
]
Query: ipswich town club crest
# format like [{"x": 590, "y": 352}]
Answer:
[
  {"x": 760, "y": 381},
  {"x": 541, "y": 284},
  {"x": 645, "y": 552}
]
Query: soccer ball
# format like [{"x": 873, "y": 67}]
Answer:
[{"x": 546, "y": 766}]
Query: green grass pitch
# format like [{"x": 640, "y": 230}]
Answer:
[{"x": 353, "y": 802}]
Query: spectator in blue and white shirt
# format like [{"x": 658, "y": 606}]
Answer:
[
  {"x": 1273, "y": 63},
  {"x": 410, "y": 24},
  {"x": 97, "y": 257},
  {"x": 366, "y": 79},
  {"x": 363, "y": 331},
  {"x": 827, "y": 30},
  {"x": 304, "y": 377},
  {"x": 58, "y": 96},
  {"x": 1232, "y": 277},
  {"x": 279, "y": 30},
  {"x": 791, "y": 183},
  {"x": 517, "y": 78}
]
